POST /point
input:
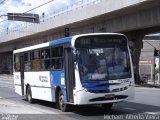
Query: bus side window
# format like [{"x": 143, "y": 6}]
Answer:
[
  {"x": 45, "y": 59},
  {"x": 27, "y": 63},
  {"x": 42, "y": 54},
  {"x": 35, "y": 60},
  {"x": 47, "y": 53},
  {"x": 57, "y": 58},
  {"x": 16, "y": 63},
  {"x": 32, "y": 55},
  {"x": 25, "y": 57}
]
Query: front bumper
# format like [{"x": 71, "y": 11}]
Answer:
[{"x": 84, "y": 97}]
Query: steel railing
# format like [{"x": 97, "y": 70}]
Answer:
[{"x": 24, "y": 28}]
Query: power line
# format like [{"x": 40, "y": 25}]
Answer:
[
  {"x": 31, "y": 9},
  {"x": 38, "y": 6}
]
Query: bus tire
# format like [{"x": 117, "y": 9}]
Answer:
[
  {"x": 62, "y": 106},
  {"x": 107, "y": 106},
  {"x": 29, "y": 95}
]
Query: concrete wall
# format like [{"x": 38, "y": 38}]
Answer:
[{"x": 6, "y": 65}]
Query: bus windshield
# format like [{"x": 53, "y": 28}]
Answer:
[{"x": 107, "y": 63}]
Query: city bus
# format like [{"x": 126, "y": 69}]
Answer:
[{"x": 84, "y": 69}]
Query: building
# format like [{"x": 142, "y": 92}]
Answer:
[{"x": 149, "y": 64}]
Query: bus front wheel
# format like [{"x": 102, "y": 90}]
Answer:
[
  {"x": 62, "y": 106},
  {"x": 29, "y": 95}
]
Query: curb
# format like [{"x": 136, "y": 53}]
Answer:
[
  {"x": 148, "y": 86},
  {"x": 7, "y": 87},
  {"x": 6, "y": 77}
]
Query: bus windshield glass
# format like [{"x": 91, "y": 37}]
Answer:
[{"x": 105, "y": 60}]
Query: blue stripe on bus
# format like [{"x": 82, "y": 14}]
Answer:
[
  {"x": 96, "y": 85},
  {"x": 56, "y": 75},
  {"x": 56, "y": 81},
  {"x": 60, "y": 41}
]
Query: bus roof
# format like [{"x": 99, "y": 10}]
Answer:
[
  {"x": 60, "y": 41},
  {"x": 42, "y": 45}
]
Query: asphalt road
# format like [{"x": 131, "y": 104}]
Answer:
[{"x": 13, "y": 106}]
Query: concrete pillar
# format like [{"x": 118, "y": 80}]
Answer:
[
  {"x": 136, "y": 38},
  {"x": 6, "y": 63}
]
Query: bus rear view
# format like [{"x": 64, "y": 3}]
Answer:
[{"x": 104, "y": 72}]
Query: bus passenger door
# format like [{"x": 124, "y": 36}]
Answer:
[
  {"x": 22, "y": 73},
  {"x": 69, "y": 74}
]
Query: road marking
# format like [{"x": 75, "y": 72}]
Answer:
[
  {"x": 6, "y": 86},
  {"x": 148, "y": 88},
  {"x": 153, "y": 113},
  {"x": 129, "y": 108}
]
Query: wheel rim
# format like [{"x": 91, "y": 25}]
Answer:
[
  {"x": 61, "y": 100},
  {"x": 29, "y": 95}
]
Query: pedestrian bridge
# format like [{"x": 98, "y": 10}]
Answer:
[{"x": 120, "y": 15}]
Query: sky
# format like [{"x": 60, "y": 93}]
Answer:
[{"x": 21, "y": 6}]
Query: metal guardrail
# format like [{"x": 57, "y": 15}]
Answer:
[{"x": 19, "y": 29}]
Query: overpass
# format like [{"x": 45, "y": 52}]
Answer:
[{"x": 135, "y": 18}]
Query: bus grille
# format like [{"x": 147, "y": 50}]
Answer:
[
  {"x": 98, "y": 91},
  {"x": 117, "y": 97}
]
